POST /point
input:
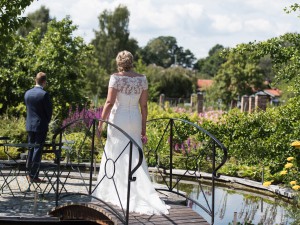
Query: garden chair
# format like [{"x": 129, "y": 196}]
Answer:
[
  {"x": 49, "y": 171},
  {"x": 60, "y": 169},
  {"x": 11, "y": 168}
]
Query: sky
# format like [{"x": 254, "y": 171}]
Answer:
[{"x": 197, "y": 25}]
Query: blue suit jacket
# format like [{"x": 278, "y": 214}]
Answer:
[{"x": 39, "y": 110}]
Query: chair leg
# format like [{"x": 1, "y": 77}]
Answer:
[
  {"x": 49, "y": 183},
  {"x": 64, "y": 182},
  {"x": 6, "y": 181}
]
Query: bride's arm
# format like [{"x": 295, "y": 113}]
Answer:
[
  {"x": 109, "y": 103},
  {"x": 144, "y": 110}
]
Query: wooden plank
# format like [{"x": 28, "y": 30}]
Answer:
[{"x": 178, "y": 214}]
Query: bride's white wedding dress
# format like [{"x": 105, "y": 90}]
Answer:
[{"x": 113, "y": 172}]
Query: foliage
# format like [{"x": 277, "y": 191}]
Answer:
[
  {"x": 12, "y": 151},
  {"x": 10, "y": 21},
  {"x": 113, "y": 37},
  {"x": 38, "y": 19},
  {"x": 96, "y": 79},
  {"x": 172, "y": 82},
  {"x": 81, "y": 150},
  {"x": 58, "y": 54},
  {"x": 88, "y": 115},
  {"x": 254, "y": 141},
  {"x": 290, "y": 171},
  {"x": 163, "y": 51},
  {"x": 209, "y": 66},
  {"x": 235, "y": 78},
  {"x": 292, "y": 8},
  {"x": 14, "y": 128},
  {"x": 192, "y": 149},
  {"x": 140, "y": 67},
  {"x": 284, "y": 53}
]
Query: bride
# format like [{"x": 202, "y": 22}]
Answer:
[{"x": 126, "y": 107}]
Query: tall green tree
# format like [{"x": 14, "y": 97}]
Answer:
[
  {"x": 96, "y": 79},
  {"x": 284, "y": 54},
  {"x": 209, "y": 66},
  {"x": 164, "y": 51},
  {"x": 59, "y": 54},
  {"x": 173, "y": 82},
  {"x": 38, "y": 19},
  {"x": 10, "y": 21},
  {"x": 236, "y": 77},
  {"x": 265, "y": 63},
  {"x": 113, "y": 37}
]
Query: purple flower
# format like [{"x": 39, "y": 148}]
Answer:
[
  {"x": 189, "y": 142},
  {"x": 87, "y": 115}
]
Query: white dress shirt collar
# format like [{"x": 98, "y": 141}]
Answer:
[{"x": 37, "y": 85}]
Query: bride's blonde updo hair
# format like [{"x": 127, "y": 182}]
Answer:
[{"x": 124, "y": 61}]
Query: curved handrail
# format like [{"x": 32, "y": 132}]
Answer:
[
  {"x": 215, "y": 142},
  {"x": 92, "y": 125},
  {"x": 113, "y": 125},
  {"x": 170, "y": 125},
  {"x": 225, "y": 151}
]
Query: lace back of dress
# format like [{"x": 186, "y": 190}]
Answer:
[{"x": 129, "y": 85}]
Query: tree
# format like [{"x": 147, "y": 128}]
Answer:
[
  {"x": 38, "y": 19},
  {"x": 236, "y": 77},
  {"x": 113, "y": 37},
  {"x": 61, "y": 56},
  {"x": 265, "y": 63},
  {"x": 285, "y": 55},
  {"x": 164, "y": 51},
  {"x": 96, "y": 79},
  {"x": 58, "y": 54},
  {"x": 160, "y": 51},
  {"x": 209, "y": 66},
  {"x": 173, "y": 82},
  {"x": 10, "y": 21}
]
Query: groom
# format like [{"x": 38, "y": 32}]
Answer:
[{"x": 39, "y": 113}]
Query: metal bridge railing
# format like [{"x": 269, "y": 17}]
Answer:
[
  {"x": 177, "y": 143},
  {"x": 172, "y": 143}
]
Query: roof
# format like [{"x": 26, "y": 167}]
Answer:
[
  {"x": 273, "y": 92},
  {"x": 204, "y": 84}
]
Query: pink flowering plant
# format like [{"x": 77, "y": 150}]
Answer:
[{"x": 88, "y": 115}]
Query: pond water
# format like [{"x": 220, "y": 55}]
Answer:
[{"x": 246, "y": 207}]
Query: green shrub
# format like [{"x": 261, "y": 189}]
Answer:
[{"x": 14, "y": 128}]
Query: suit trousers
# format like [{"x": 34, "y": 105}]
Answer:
[{"x": 35, "y": 154}]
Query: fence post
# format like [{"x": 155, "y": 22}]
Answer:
[
  {"x": 251, "y": 103},
  {"x": 193, "y": 101},
  {"x": 261, "y": 101},
  {"x": 245, "y": 103},
  {"x": 162, "y": 101},
  {"x": 199, "y": 103}
]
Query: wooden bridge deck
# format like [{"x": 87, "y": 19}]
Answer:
[{"x": 101, "y": 214}]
